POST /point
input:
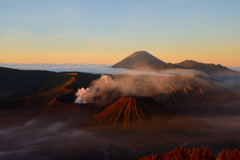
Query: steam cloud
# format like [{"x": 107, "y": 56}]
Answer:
[
  {"x": 111, "y": 87},
  {"x": 81, "y": 94},
  {"x": 87, "y": 95},
  {"x": 107, "y": 87}
]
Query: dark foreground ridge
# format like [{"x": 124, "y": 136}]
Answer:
[{"x": 194, "y": 154}]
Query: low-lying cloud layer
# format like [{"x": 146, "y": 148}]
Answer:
[
  {"x": 83, "y": 67},
  {"x": 236, "y": 69},
  {"x": 97, "y": 69}
]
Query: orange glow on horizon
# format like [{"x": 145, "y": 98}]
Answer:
[
  {"x": 105, "y": 59},
  {"x": 111, "y": 56}
]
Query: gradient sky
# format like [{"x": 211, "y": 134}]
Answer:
[{"x": 106, "y": 31}]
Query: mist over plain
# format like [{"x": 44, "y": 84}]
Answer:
[{"x": 76, "y": 135}]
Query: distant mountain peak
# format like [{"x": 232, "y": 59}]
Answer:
[
  {"x": 142, "y": 54},
  {"x": 192, "y": 63},
  {"x": 137, "y": 60},
  {"x": 189, "y": 61}
]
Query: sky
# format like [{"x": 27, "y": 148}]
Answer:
[{"x": 106, "y": 31}]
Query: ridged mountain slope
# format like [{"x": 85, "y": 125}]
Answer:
[{"x": 131, "y": 111}]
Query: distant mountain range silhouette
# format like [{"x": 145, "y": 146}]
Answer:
[{"x": 143, "y": 60}]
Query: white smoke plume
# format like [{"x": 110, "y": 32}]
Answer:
[
  {"x": 107, "y": 87},
  {"x": 81, "y": 95},
  {"x": 86, "y": 95}
]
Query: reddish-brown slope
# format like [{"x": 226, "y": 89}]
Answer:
[
  {"x": 52, "y": 94},
  {"x": 131, "y": 111},
  {"x": 189, "y": 154},
  {"x": 183, "y": 154},
  {"x": 40, "y": 99}
]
